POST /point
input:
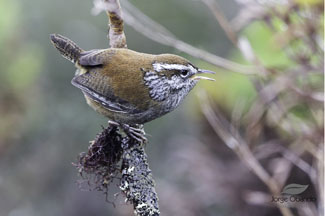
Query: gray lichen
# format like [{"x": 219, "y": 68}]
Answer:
[{"x": 137, "y": 181}]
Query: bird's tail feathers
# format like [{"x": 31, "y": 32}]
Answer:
[{"x": 66, "y": 47}]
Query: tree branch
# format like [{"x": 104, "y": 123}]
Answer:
[{"x": 137, "y": 181}]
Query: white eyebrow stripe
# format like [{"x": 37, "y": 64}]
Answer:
[{"x": 164, "y": 66}]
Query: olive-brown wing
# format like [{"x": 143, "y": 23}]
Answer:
[{"x": 97, "y": 87}]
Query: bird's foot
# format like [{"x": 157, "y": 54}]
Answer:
[{"x": 136, "y": 132}]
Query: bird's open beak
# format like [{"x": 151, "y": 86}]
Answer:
[{"x": 200, "y": 71}]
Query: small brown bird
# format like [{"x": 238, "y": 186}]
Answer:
[{"x": 130, "y": 87}]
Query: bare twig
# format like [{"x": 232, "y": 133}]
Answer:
[
  {"x": 222, "y": 127},
  {"x": 250, "y": 11},
  {"x": 156, "y": 32},
  {"x": 290, "y": 156},
  {"x": 241, "y": 42},
  {"x": 116, "y": 25},
  {"x": 213, "y": 6}
]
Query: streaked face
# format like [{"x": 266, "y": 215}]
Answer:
[{"x": 168, "y": 79}]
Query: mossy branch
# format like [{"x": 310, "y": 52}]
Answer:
[{"x": 113, "y": 153}]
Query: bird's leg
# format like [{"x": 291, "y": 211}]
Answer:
[{"x": 136, "y": 132}]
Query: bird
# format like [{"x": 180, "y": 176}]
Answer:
[{"x": 128, "y": 87}]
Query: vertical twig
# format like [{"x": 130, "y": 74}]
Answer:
[
  {"x": 116, "y": 24},
  {"x": 137, "y": 181}
]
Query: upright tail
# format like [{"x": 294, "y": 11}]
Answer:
[{"x": 66, "y": 47}]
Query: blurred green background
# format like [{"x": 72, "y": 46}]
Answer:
[{"x": 45, "y": 122}]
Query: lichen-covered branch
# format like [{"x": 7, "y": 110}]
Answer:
[
  {"x": 137, "y": 181},
  {"x": 113, "y": 153}
]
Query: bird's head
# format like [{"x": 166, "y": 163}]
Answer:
[{"x": 172, "y": 75}]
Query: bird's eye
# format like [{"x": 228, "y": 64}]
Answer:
[{"x": 184, "y": 73}]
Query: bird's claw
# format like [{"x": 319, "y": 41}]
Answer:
[
  {"x": 110, "y": 122},
  {"x": 136, "y": 132}
]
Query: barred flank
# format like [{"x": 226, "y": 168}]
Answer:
[{"x": 66, "y": 47}]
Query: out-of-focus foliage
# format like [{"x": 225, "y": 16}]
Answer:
[
  {"x": 284, "y": 122},
  {"x": 21, "y": 64}
]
